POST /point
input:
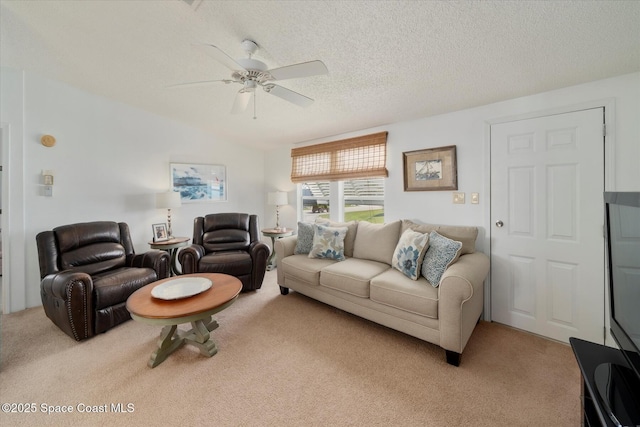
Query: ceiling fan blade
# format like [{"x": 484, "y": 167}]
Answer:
[
  {"x": 217, "y": 54},
  {"x": 202, "y": 83},
  {"x": 240, "y": 103},
  {"x": 295, "y": 71},
  {"x": 288, "y": 95}
]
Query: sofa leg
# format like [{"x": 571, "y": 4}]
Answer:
[
  {"x": 284, "y": 291},
  {"x": 453, "y": 358}
]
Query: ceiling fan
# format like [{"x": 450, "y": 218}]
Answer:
[{"x": 251, "y": 73}]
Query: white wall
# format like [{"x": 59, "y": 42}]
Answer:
[
  {"x": 109, "y": 161},
  {"x": 467, "y": 130},
  {"x": 278, "y": 178}
]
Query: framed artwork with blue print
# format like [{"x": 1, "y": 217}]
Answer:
[{"x": 199, "y": 182}]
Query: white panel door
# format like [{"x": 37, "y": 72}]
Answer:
[{"x": 547, "y": 243}]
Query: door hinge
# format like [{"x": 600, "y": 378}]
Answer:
[{"x": 604, "y": 129}]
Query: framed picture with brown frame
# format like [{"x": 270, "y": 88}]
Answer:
[
  {"x": 433, "y": 169},
  {"x": 160, "y": 232}
]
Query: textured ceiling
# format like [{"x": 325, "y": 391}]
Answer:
[{"x": 387, "y": 61}]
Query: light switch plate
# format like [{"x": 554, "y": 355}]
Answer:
[
  {"x": 458, "y": 198},
  {"x": 475, "y": 198}
]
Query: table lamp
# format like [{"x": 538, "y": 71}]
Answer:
[
  {"x": 168, "y": 200},
  {"x": 277, "y": 198}
]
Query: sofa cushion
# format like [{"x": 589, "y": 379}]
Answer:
[
  {"x": 409, "y": 253},
  {"x": 394, "y": 289},
  {"x": 376, "y": 242},
  {"x": 352, "y": 275},
  {"x": 328, "y": 242},
  {"x": 302, "y": 268},
  {"x": 464, "y": 234},
  {"x": 94, "y": 258},
  {"x": 115, "y": 286},
  {"x": 236, "y": 263},
  {"x": 349, "y": 239},
  {"x": 304, "y": 243},
  {"x": 441, "y": 254}
]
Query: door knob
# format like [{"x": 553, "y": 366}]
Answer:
[{"x": 499, "y": 223}]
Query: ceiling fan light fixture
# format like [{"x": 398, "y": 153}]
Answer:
[{"x": 250, "y": 85}]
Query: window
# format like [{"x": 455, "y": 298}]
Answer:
[
  {"x": 358, "y": 199},
  {"x": 363, "y": 200},
  {"x": 347, "y": 175},
  {"x": 315, "y": 200}
]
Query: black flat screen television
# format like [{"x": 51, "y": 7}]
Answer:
[{"x": 619, "y": 386}]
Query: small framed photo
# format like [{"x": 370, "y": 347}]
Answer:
[
  {"x": 434, "y": 169},
  {"x": 160, "y": 232}
]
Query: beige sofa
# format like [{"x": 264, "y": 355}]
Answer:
[{"x": 366, "y": 284}]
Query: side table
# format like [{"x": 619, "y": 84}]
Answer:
[
  {"x": 275, "y": 233},
  {"x": 171, "y": 246}
]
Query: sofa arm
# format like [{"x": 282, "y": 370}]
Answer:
[
  {"x": 67, "y": 299},
  {"x": 157, "y": 260},
  {"x": 284, "y": 247},
  {"x": 461, "y": 299},
  {"x": 189, "y": 258},
  {"x": 259, "y": 252}
]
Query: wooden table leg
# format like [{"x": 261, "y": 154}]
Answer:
[
  {"x": 171, "y": 338},
  {"x": 173, "y": 253},
  {"x": 271, "y": 261},
  {"x": 168, "y": 343},
  {"x": 199, "y": 336}
]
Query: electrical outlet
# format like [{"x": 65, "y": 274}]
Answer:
[
  {"x": 458, "y": 198},
  {"x": 475, "y": 198}
]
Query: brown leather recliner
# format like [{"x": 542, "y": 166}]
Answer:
[
  {"x": 88, "y": 271},
  {"x": 227, "y": 243}
]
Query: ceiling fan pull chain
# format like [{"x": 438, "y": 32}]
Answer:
[{"x": 255, "y": 95}]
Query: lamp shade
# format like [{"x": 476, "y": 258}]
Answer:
[
  {"x": 168, "y": 200},
  {"x": 277, "y": 198}
]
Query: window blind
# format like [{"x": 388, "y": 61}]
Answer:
[{"x": 360, "y": 157}]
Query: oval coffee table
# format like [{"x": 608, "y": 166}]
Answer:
[{"x": 197, "y": 310}]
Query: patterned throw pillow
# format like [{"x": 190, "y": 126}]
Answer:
[
  {"x": 328, "y": 242},
  {"x": 409, "y": 253},
  {"x": 349, "y": 239},
  {"x": 441, "y": 254},
  {"x": 305, "y": 238}
]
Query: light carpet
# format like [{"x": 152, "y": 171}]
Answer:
[{"x": 285, "y": 361}]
